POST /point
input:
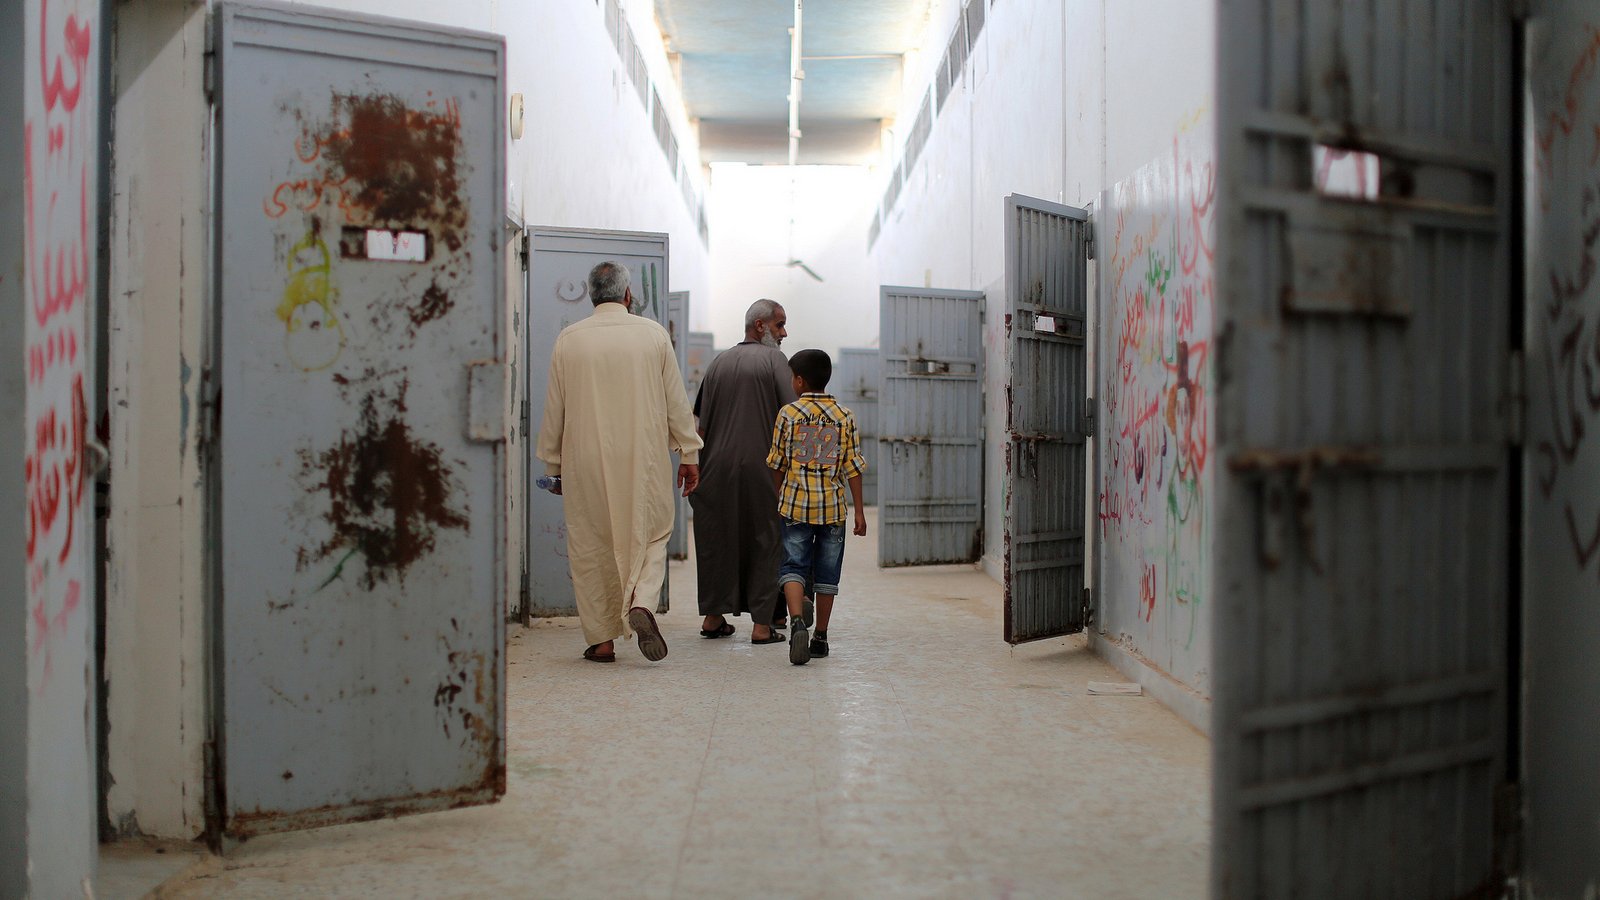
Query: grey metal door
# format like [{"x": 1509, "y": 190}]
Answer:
[
  {"x": 678, "y": 328},
  {"x": 1047, "y": 416},
  {"x": 357, "y": 581},
  {"x": 1363, "y": 496},
  {"x": 856, "y": 379},
  {"x": 930, "y": 493},
  {"x": 700, "y": 353},
  {"x": 559, "y": 260}
]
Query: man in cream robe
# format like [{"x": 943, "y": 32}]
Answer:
[{"x": 614, "y": 407}]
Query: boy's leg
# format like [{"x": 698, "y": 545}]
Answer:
[
  {"x": 794, "y": 595},
  {"x": 824, "y": 611}
]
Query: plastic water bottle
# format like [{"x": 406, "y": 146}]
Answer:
[{"x": 548, "y": 482}]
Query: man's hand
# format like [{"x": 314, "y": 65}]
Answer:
[
  {"x": 861, "y": 524},
  {"x": 688, "y": 478}
]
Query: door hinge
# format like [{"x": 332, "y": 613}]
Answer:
[
  {"x": 1508, "y": 837},
  {"x": 527, "y": 412},
  {"x": 1088, "y": 239},
  {"x": 524, "y": 251},
  {"x": 209, "y": 61},
  {"x": 1516, "y": 412},
  {"x": 1088, "y": 416},
  {"x": 1088, "y": 606}
]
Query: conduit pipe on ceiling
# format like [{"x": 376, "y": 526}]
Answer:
[{"x": 796, "y": 76}]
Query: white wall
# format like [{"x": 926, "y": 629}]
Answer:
[
  {"x": 1059, "y": 102},
  {"x": 750, "y": 246},
  {"x": 57, "y": 95},
  {"x": 588, "y": 158},
  {"x": 1561, "y": 568}
]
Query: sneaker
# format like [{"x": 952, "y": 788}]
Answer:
[
  {"x": 799, "y": 642},
  {"x": 808, "y": 611},
  {"x": 819, "y": 647}
]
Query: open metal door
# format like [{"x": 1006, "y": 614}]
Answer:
[
  {"x": 930, "y": 493},
  {"x": 356, "y": 471},
  {"x": 857, "y": 375},
  {"x": 678, "y": 329},
  {"x": 559, "y": 260},
  {"x": 1048, "y": 417},
  {"x": 1364, "y": 312}
]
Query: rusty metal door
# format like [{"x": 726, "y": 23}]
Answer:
[
  {"x": 856, "y": 379},
  {"x": 559, "y": 260},
  {"x": 930, "y": 493},
  {"x": 678, "y": 327},
  {"x": 1048, "y": 417},
  {"x": 1364, "y": 301},
  {"x": 356, "y": 476}
]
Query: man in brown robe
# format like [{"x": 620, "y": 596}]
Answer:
[
  {"x": 737, "y": 531},
  {"x": 614, "y": 408}
]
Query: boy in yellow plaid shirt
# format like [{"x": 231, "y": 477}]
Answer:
[{"x": 816, "y": 451}]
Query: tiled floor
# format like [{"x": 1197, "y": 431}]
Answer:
[{"x": 924, "y": 758}]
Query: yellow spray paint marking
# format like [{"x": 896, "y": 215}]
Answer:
[{"x": 314, "y": 338}]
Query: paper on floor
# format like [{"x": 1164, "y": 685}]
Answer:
[{"x": 1115, "y": 687}]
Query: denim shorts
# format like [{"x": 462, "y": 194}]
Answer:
[{"x": 812, "y": 555}]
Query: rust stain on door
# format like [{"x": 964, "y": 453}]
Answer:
[{"x": 388, "y": 493}]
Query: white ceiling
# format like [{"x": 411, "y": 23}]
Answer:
[{"x": 734, "y": 63}]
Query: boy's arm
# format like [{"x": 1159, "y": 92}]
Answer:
[
  {"x": 778, "y": 453},
  {"x": 854, "y": 466},
  {"x": 861, "y": 510}
]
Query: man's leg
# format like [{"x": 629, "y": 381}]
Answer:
[{"x": 642, "y": 599}]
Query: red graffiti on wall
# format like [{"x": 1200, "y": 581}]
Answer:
[
  {"x": 1147, "y": 592},
  {"x": 59, "y": 149},
  {"x": 1567, "y": 318},
  {"x": 1152, "y": 493}
]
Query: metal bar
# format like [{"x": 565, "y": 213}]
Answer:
[
  {"x": 1434, "y": 213},
  {"x": 1290, "y": 790},
  {"x": 1290, "y": 715},
  {"x": 1373, "y": 140},
  {"x": 1375, "y": 459},
  {"x": 1034, "y": 203},
  {"x": 935, "y": 441},
  {"x": 1043, "y": 536},
  {"x": 1038, "y": 564}
]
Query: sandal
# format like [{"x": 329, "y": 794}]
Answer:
[
  {"x": 651, "y": 643},
  {"x": 592, "y": 656},
  {"x": 773, "y": 638},
  {"x": 722, "y": 631}
]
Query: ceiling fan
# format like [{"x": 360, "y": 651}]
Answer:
[{"x": 795, "y": 263}]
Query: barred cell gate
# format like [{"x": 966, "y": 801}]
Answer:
[
  {"x": 1365, "y": 153},
  {"x": 1048, "y": 419},
  {"x": 857, "y": 374},
  {"x": 930, "y": 493}
]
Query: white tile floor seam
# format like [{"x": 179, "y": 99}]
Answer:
[{"x": 931, "y": 762}]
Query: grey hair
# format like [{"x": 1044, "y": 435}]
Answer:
[
  {"x": 760, "y": 311},
  {"x": 608, "y": 282}
]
